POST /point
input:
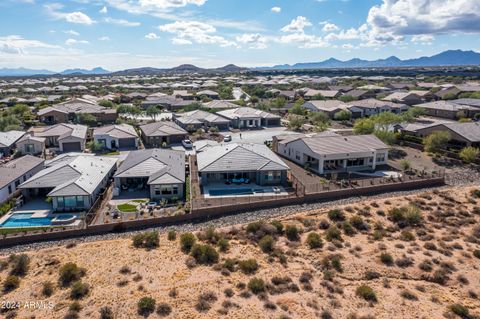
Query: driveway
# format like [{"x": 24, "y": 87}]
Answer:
[{"x": 260, "y": 136}]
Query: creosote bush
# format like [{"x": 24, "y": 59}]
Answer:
[
  {"x": 106, "y": 313},
  {"x": 314, "y": 240},
  {"x": 476, "y": 253},
  {"x": 172, "y": 235},
  {"x": 266, "y": 243},
  {"x": 69, "y": 273},
  {"x": 148, "y": 240},
  {"x": 292, "y": 232},
  {"x": 204, "y": 254},
  {"x": 248, "y": 266},
  {"x": 386, "y": 259},
  {"x": 79, "y": 290},
  {"x": 223, "y": 245},
  {"x": 405, "y": 216},
  {"x": 459, "y": 310},
  {"x": 256, "y": 285},
  {"x": 11, "y": 283},
  {"x": 20, "y": 264},
  {"x": 187, "y": 240},
  {"x": 333, "y": 233},
  {"x": 146, "y": 306},
  {"x": 366, "y": 292},
  {"x": 47, "y": 288},
  {"x": 336, "y": 215},
  {"x": 163, "y": 309}
]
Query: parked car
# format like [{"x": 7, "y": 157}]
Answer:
[
  {"x": 187, "y": 144},
  {"x": 227, "y": 138}
]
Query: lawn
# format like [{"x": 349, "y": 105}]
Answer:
[
  {"x": 140, "y": 201},
  {"x": 127, "y": 208}
]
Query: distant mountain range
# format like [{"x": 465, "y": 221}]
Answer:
[{"x": 446, "y": 58}]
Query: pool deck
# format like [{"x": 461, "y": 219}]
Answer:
[{"x": 267, "y": 190}]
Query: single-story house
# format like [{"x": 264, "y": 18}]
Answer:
[
  {"x": 465, "y": 134},
  {"x": 117, "y": 136},
  {"x": 328, "y": 94},
  {"x": 160, "y": 171},
  {"x": 220, "y": 105},
  {"x": 8, "y": 141},
  {"x": 448, "y": 91},
  {"x": 66, "y": 112},
  {"x": 448, "y": 109},
  {"x": 252, "y": 163},
  {"x": 409, "y": 98},
  {"x": 157, "y": 133},
  {"x": 326, "y": 153},
  {"x": 209, "y": 94},
  {"x": 371, "y": 107},
  {"x": 361, "y": 94},
  {"x": 32, "y": 145},
  {"x": 331, "y": 107},
  {"x": 247, "y": 117},
  {"x": 73, "y": 184},
  {"x": 194, "y": 120},
  {"x": 15, "y": 172},
  {"x": 67, "y": 137},
  {"x": 183, "y": 94},
  {"x": 169, "y": 102}
]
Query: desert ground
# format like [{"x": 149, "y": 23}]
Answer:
[{"x": 415, "y": 256}]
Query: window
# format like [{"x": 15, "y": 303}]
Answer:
[
  {"x": 80, "y": 202},
  {"x": 24, "y": 178},
  {"x": 70, "y": 201},
  {"x": 9, "y": 189},
  {"x": 157, "y": 190},
  {"x": 380, "y": 157},
  {"x": 297, "y": 155},
  {"x": 175, "y": 190},
  {"x": 166, "y": 190},
  {"x": 60, "y": 203},
  {"x": 17, "y": 182},
  {"x": 29, "y": 148}
]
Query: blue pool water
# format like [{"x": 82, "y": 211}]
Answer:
[
  {"x": 26, "y": 220},
  {"x": 235, "y": 191}
]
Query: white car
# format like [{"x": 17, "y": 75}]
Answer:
[
  {"x": 227, "y": 138},
  {"x": 187, "y": 144}
]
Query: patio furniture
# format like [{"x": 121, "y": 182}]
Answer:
[{"x": 238, "y": 180}]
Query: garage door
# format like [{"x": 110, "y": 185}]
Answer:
[
  {"x": 126, "y": 143},
  {"x": 72, "y": 147}
]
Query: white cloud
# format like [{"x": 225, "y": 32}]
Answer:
[
  {"x": 253, "y": 40},
  {"x": 103, "y": 10},
  {"x": 156, "y": 7},
  {"x": 73, "y": 42},
  {"x": 347, "y": 46},
  {"x": 72, "y": 32},
  {"x": 329, "y": 27},
  {"x": 152, "y": 36},
  {"x": 104, "y": 38},
  {"x": 76, "y": 17},
  {"x": 297, "y": 25},
  {"x": 276, "y": 9},
  {"x": 14, "y": 44},
  {"x": 423, "y": 38},
  {"x": 188, "y": 32},
  {"x": 306, "y": 41},
  {"x": 121, "y": 22},
  {"x": 79, "y": 18}
]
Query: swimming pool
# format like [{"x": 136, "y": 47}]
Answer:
[
  {"x": 234, "y": 191},
  {"x": 26, "y": 220}
]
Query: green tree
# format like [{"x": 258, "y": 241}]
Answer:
[
  {"x": 297, "y": 109},
  {"x": 346, "y": 98},
  {"x": 449, "y": 96},
  {"x": 94, "y": 146},
  {"x": 318, "y": 97},
  {"x": 319, "y": 118},
  {"x": 387, "y": 137},
  {"x": 469, "y": 154},
  {"x": 86, "y": 119},
  {"x": 405, "y": 165},
  {"x": 436, "y": 141},
  {"x": 106, "y": 103},
  {"x": 413, "y": 113},
  {"x": 296, "y": 122},
  {"x": 343, "y": 115},
  {"x": 364, "y": 126},
  {"x": 153, "y": 111}
]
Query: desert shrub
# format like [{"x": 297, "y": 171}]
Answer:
[
  {"x": 408, "y": 295},
  {"x": 125, "y": 270},
  {"x": 223, "y": 245},
  {"x": 323, "y": 224},
  {"x": 366, "y": 293},
  {"x": 292, "y": 233},
  {"x": 314, "y": 240},
  {"x": 229, "y": 264},
  {"x": 204, "y": 300},
  {"x": 75, "y": 306},
  {"x": 69, "y": 273},
  {"x": 370, "y": 275},
  {"x": 71, "y": 315},
  {"x": 187, "y": 240},
  {"x": 163, "y": 309},
  {"x": 148, "y": 240},
  {"x": 254, "y": 227},
  {"x": 47, "y": 288},
  {"x": 404, "y": 262},
  {"x": 348, "y": 228},
  {"x": 19, "y": 264},
  {"x": 336, "y": 215},
  {"x": 204, "y": 254},
  {"x": 146, "y": 306},
  {"x": 106, "y": 313},
  {"x": 266, "y": 243},
  {"x": 172, "y": 235},
  {"x": 336, "y": 263},
  {"x": 305, "y": 277},
  {"x": 278, "y": 225},
  {"x": 333, "y": 233},
  {"x": 406, "y": 216},
  {"x": 211, "y": 235},
  {"x": 256, "y": 285},
  {"x": 426, "y": 266},
  {"x": 476, "y": 253},
  {"x": 79, "y": 290},
  {"x": 407, "y": 236},
  {"x": 11, "y": 283},
  {"x": 386, "y": 259},
  {"x": 229, "y": 292},
  {"x": 459, "y": 310},
  {"x": 248, "y": 266},
  {"x": 439, "y": 276},
  {"x": 358, "y": 223}
]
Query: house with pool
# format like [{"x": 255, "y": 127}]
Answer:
[
  {"x": 72, "y": 185},
  {"x": 240, "y": 169}
]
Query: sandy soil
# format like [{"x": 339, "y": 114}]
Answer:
[{"x": 449, "y": 223}]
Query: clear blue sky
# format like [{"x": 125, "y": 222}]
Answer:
[{"x": 119, "y": 34}]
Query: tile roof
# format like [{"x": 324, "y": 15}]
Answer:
[
  {"x": 162, "y": 128},
  {"x": 117, "y": 131},
  {"x": 7, "y": 139},
  {"x": 246, "y": 112},
  {"x": 17, "y": 168}
]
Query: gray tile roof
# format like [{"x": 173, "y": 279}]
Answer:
[
  {"x": 77, "y": 105},
  {"x": 17, "y": 168},
  {"x": 62, "y": 130},
  {"x": 374, "y": 104},
  {"x": 162, "y": 128},
  {"x": 445, "y": 106},
  {"x": 117, "y": 131},
  {"x": 161, "y": 166},
  {"x": 220, "y": 104},
  {"x": 80, "y": 175},
  {"x": 246, "y": 112},
  {"x": 201, "y": 116},
  {"x": 470, "y": 102},
  {"x": 235, "y": 157},
  {"x": 7, "y": 139},
  {"x": 330, "y": 145},
  {"x": 470, "y": 131}
]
